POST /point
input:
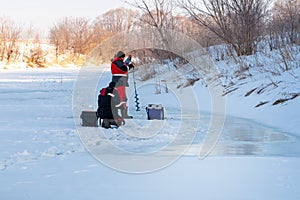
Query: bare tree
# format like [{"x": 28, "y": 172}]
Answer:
[
  {"x": 113, "y": 22},
  {"x": 286, "y": 20},
  {"x": 188, "y": 26},
  {"x": 60, "y": 36},
  {"x": 9, "y": 36},
  {"x": 35, "y": 54},
  {"x": 237, "y": 22},
  {"x": 156, "y": 13},
  {"x": 81, "y": 33},
  {"x": 72, "y": 34},
  {"x": 284, "y": 31},
  {"x": 159, "y": 15}
]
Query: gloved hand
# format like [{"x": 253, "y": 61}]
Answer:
[
  {"x": 131, "y": 66},
  {"x": 128, "y": 60}
]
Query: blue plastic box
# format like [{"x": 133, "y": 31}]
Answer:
[{"x": 155, "y": 111}]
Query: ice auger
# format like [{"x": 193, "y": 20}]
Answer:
[{"x": 136, "y": 96}]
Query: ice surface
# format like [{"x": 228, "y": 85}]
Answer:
[{"x": 42, "y": 156}]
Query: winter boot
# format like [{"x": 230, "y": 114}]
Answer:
[
  {"x": 125, "y": 115},
  {"x": 113, "y": 122},
  {"x": 105, "y": 123}
]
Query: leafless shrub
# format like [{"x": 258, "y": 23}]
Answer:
[
  {"x": 72, "y": 35},
  {"x": 237, "y": 22},
  {"x": 9, "y": 36},
  {"x": 284, "y": 25}
]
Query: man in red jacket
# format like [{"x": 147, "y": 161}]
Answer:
[{"x": 119, "y": 70}]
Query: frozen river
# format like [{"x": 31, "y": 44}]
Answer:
[
  {"x": 36, "y": 115},
  {"x": 42, "y": 156}
]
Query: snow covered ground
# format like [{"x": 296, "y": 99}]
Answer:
[{"x": 42, "y": 155}]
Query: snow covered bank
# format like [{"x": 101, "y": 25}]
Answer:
[
  {"x": 256, "y": 87},
  {"x": 264, "y": 87},
  {"x": 284, "y": 117}
]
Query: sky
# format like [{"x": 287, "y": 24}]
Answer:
[{"x": 42, "y": 14}]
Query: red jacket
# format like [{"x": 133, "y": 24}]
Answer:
[{"x": 119, "y": 68}]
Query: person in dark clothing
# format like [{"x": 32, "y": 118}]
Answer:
[
  {"x": 119, "y": 70},
  {"x": 108, "y": 105}
]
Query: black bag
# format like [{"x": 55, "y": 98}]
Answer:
[{"x": 89, "y": 118}]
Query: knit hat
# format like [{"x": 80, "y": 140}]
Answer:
[{"x": 120, "y": 54}]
